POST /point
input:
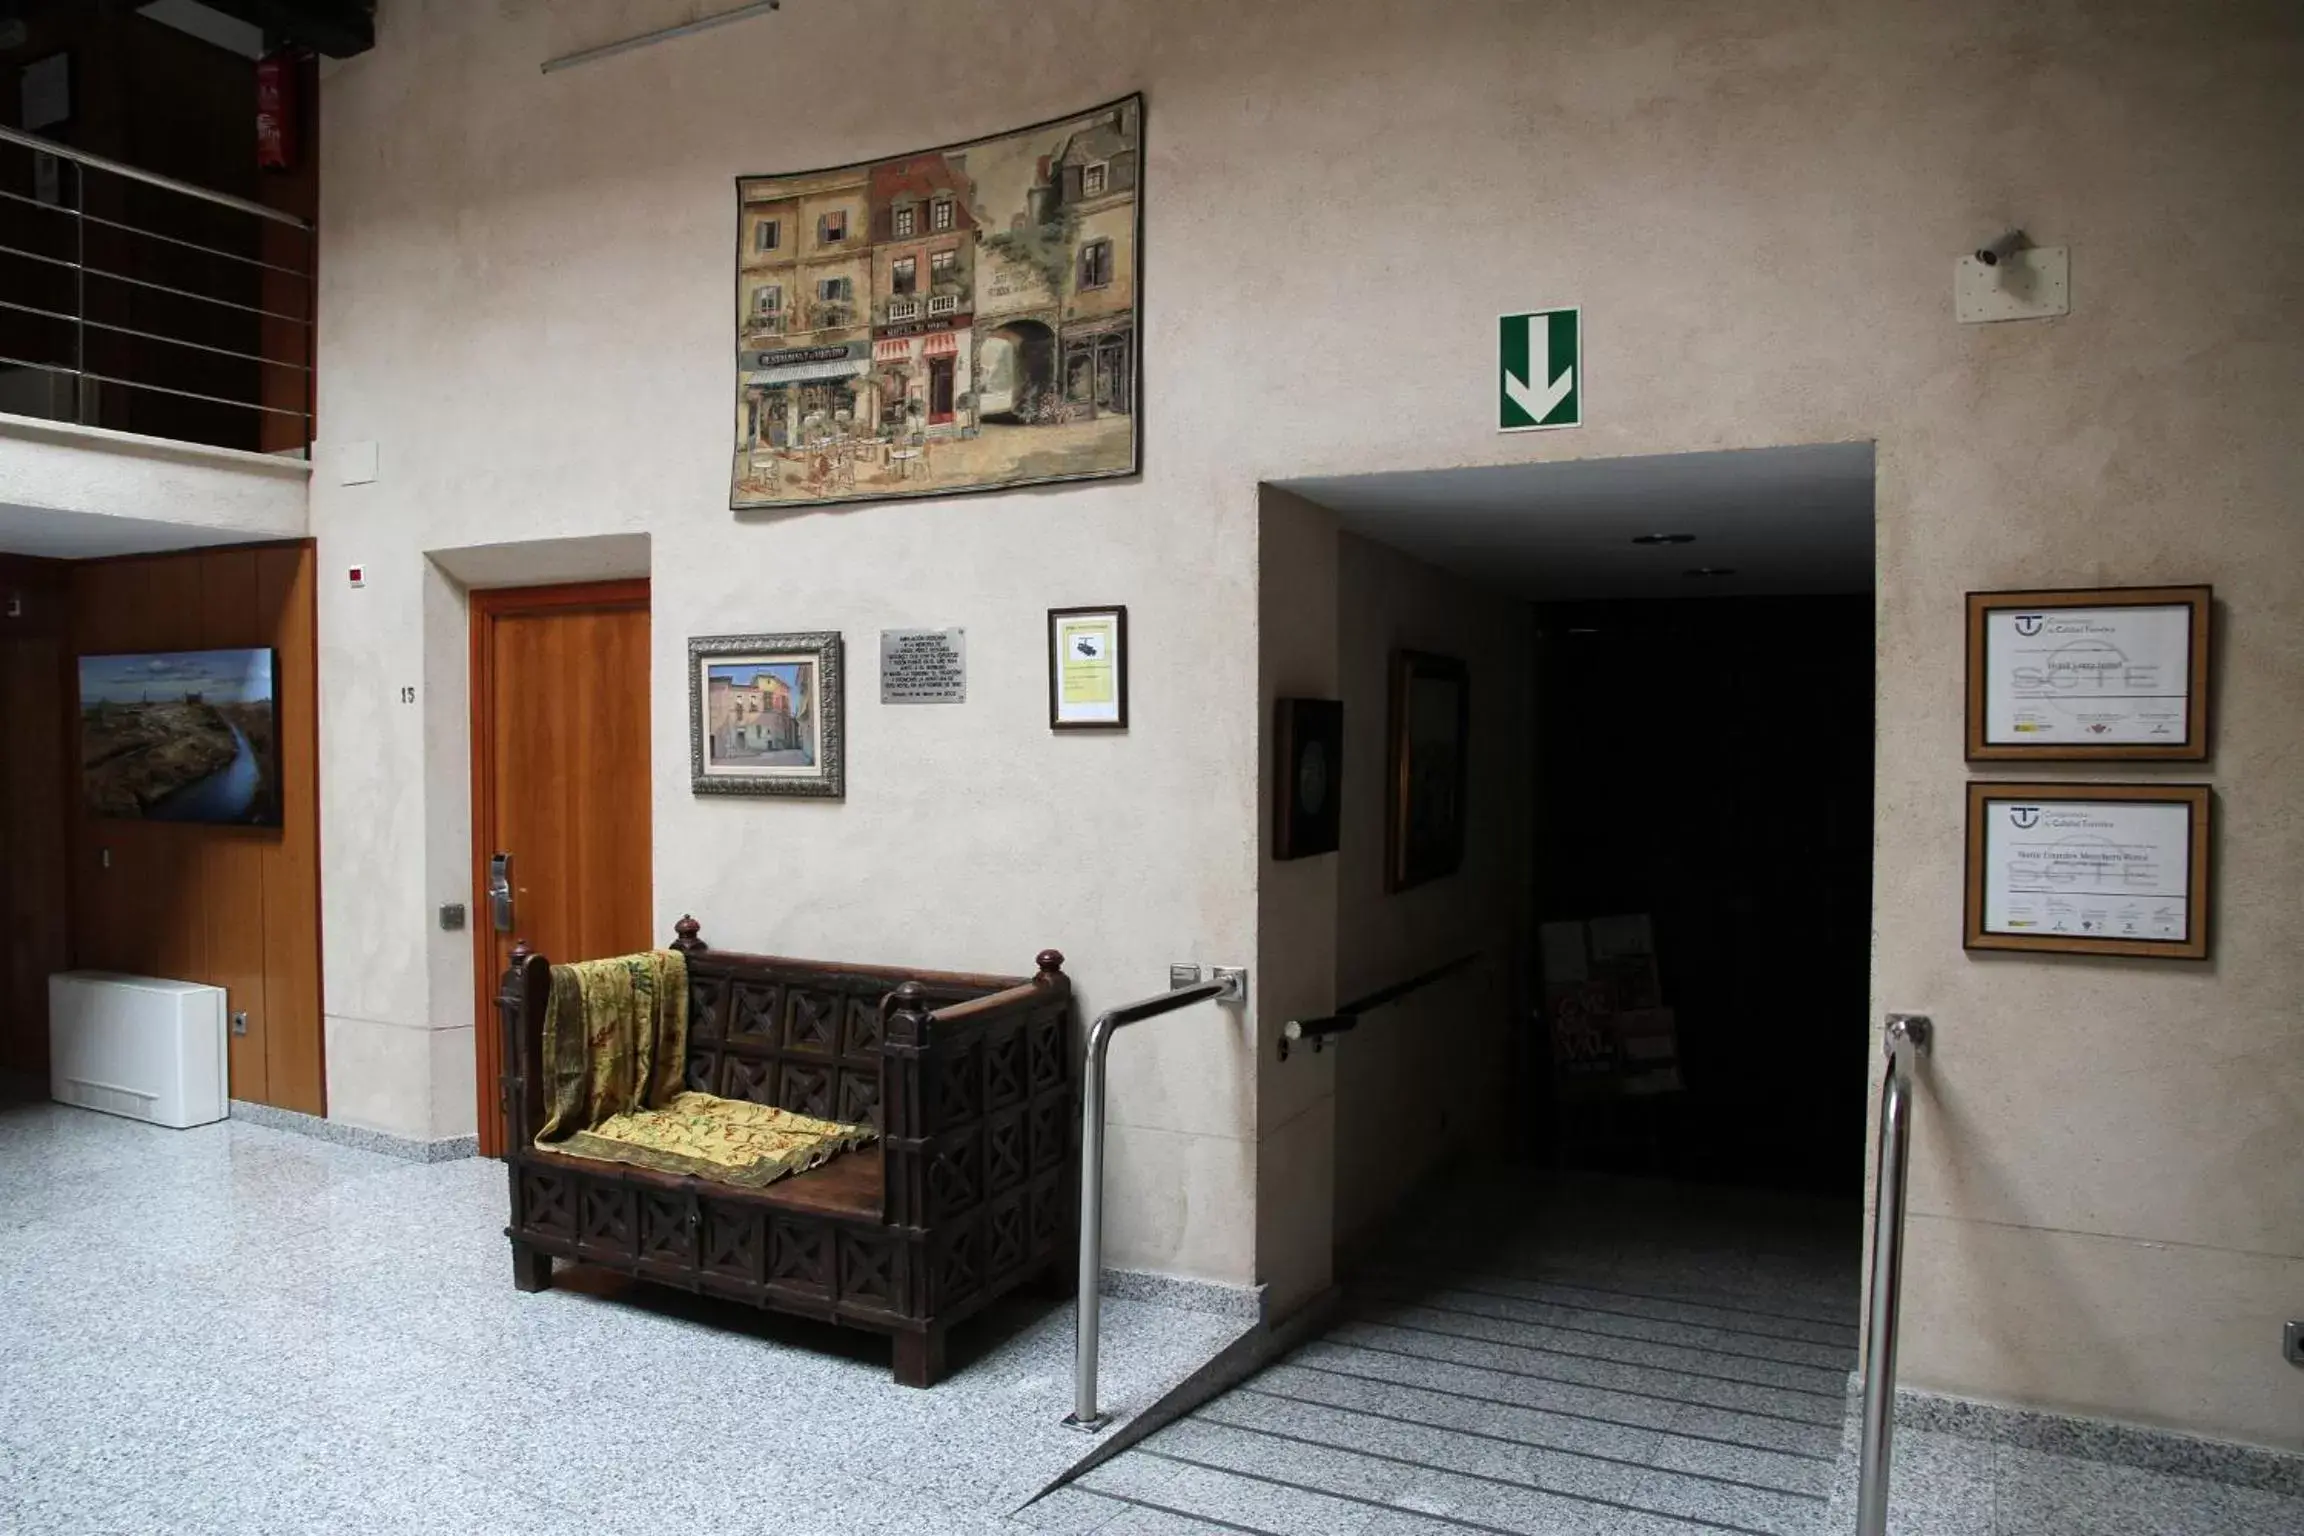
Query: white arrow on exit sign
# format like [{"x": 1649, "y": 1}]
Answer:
[{"x": 1540, "y": 366}]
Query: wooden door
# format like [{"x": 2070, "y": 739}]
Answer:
[{"x": 561, "y": 784}]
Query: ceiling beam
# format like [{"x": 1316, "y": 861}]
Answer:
[{"x": 337, "y": 28}]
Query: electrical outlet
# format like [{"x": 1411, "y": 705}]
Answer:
[
  {"x": 2293, "y": 1344},
  {"x": 239, "y": 1021}
]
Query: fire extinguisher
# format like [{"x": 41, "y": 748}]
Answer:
[{"x": 276, "y": 112}]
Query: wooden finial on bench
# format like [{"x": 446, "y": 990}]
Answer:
[
  {"x": 687, "y": 929},
  {"x": 1051, "y": 963}
]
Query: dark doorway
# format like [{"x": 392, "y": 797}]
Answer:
[
  {"x": 939, "y": 390},
  {"x": 1019, "y": 371},
  {"x": 1704, "y": 795}
]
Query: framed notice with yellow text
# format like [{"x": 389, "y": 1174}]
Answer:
[
  {"x": 1087, "y": 669},
  {"x": 2110, "y": 674},
  {"x": 2089, "y": 869}
]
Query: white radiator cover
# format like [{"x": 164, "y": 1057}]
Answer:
[{"x": 133, "y": 1045}]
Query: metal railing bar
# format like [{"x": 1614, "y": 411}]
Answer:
[
  {"x": 1226, "y": 986},
  {"x": 184, "y": 293},
  {"x": 1348, "y": 1016},
  {"x": 153, "y": 234},
  {"x": 1907, "y": 1037},
  {"x": 162, "y": 389},
  {"x": 54, "y": 261},
  {"x": 173, "y": 341},
  {"x": 34, "y": 202},
  {"x": 33, "y": 141}
]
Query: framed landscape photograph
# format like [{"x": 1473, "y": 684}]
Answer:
[
  {"x": 955, "y": 319},
  {"x": 765, "y": 715},
  {"x": 1424, "y": 820},
  {"x": 181, "y": 736}
]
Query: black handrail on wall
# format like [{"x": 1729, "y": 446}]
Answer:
[{"x": 1348, "y": 1016}]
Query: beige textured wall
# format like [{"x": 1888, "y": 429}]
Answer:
[
  {"x": 1296, "y": 903},
  {"x": 524, "y": 298},
  {"x": 1433, "y": 1075}
]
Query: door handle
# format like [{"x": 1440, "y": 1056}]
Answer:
[{"x": 500, "y": 892}]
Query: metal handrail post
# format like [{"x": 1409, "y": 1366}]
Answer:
[
  {"x": 1908, "y": 1036},
  {"x": 1230, "y": 987}
]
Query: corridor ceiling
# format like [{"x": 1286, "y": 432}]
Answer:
[{"x": 1784, "y": 520}]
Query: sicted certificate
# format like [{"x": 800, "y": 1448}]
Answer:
[
  {"x": 2088, "y": 676},
  {"x": 2115, "y": 869}
]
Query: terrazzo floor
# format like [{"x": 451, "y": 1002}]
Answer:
[
  {"x": 237, "y": 1329},
  {"x": 1603, "y": 1359}
]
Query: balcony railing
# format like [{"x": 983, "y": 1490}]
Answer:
[{"x": 135, "y": 301}]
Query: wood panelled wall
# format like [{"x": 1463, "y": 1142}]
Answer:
[
  {"x": 35, "y": 649},
  {"x": 236, "y": 907}
]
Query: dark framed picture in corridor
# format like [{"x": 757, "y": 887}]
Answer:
[
  {"x": 1431, "y": 717},
  {"x": 1307, "y": 784}
]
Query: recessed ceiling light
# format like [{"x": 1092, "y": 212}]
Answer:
[
  {"x": 1664, "y": 538},
  {"x": 1711, "y": 570}
]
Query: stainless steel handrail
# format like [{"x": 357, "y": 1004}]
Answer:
[
  {"x": 150, "y": 178},
  {"x": 280, "y": 389},
  {"x": 1225, "y": 987},
  {"x": 1908, "y": 1037},
  {"x": 1296, "y": 1031}
]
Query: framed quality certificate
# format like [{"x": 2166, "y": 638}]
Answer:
[
  {"x": 2089, "y": 869},
  {"x": 2113, "y": 673}
]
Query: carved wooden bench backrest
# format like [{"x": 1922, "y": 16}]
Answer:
[{"x": 798, "y": 1035}]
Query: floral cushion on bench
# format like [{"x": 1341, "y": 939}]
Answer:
[
  {"x": 730, "y": 1141},
  {"x": 615, "y": 1036}
]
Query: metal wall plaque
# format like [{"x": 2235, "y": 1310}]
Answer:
[{"x": 923, "y": 666}]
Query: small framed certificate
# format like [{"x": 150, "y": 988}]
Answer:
[
  {"x": 1088, "y": 669},
  {"x": 2089, "y": 869},
  {"x": 2113, "y": 673}
]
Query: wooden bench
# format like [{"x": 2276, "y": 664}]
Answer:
[{"x": 968, "y": 1194}]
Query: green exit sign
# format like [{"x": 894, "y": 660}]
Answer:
[{"x": 1540, "y": 370}]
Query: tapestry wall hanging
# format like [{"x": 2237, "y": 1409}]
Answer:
[{"x": 959, "y": 319}]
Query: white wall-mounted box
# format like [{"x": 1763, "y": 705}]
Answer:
[{"x": 137, "y": 1046}]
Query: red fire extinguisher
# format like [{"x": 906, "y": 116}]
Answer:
[{"x": 276, "y": 111}]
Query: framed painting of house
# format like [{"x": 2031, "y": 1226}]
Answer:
[
  {"x": 956, "y": 319},
  {"x": 765, "y": 715}
]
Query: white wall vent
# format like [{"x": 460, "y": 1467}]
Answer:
[{"x": 131, "y": 1045}]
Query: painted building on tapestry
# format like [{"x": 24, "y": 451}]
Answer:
[
  {"x": 923, "y": 295},
  {"x": 957, "y": 319},
  {"x": 804, "y": 323}
]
